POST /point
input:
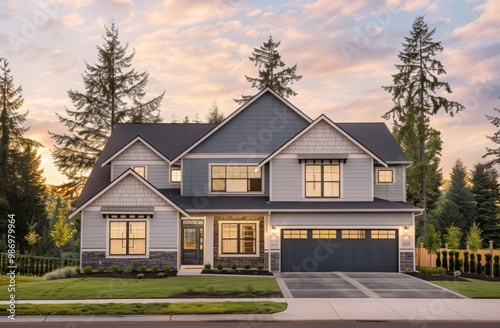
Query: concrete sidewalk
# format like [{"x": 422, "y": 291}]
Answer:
[{"x": 306, "y": 309}]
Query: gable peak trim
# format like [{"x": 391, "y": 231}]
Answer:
[{"x": 131, "y": 143}]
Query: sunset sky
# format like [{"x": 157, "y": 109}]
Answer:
[{"x": 197, "y": 51}]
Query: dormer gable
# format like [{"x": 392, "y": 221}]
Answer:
[{"x": 136, "y": 149}]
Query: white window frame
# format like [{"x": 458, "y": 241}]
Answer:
[
  {"x": 148, "y": 223},
  {"x": 257, "y": 239},
  {"x": 145, "y": 169},
  {"x": 385, "y": 169},
  {"x": 170, "y": 174},
  {"x": 235, "y": 193}
]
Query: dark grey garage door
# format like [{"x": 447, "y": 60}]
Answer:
[{"x": 323, "y": 250}]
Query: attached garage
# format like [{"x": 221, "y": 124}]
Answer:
[{"x": 349, "y": 250}]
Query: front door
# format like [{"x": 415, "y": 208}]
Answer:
[{"x": 192, "y": 242}]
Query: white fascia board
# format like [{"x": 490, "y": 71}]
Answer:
[
  {"x": 133, "y": 141},
  {"x": 409, "y": 210}
]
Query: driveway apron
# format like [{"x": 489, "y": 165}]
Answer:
[{"x": 361, "y": 285}]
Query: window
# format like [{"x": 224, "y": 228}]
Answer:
[
  {"x": 175, "y": 175},
  {"x": 236, "y": 178},
  {"x": 141, "y": 170},
  {"x": 127, "y": 238},
  {"x": 323, "y": 180},
  {"x": 353, "y": 234},
  {"x": 385, "y": 176},
  {"x": 324, "y": 234},
  {"x": 383, "y": 234},
  {"x": 294, "y": 234},
  {"x": 238, "y": 238}
]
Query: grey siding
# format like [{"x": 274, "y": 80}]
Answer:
[
  {"x": 262, "y": 127},
  {"x": 393, "y": 191},
  {"x": 286, "y": 179},
  {"x": 93, "y": 230},
  {"x": 341, "y": 219},
  {"x": 163, "y": 230},
  {"x": 158, "y": 174},
  {"x": 357, "y": 179},
  {"x": 195, "y": 174}
]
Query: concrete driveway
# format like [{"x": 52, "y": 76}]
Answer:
[{"x": 359, "y": 285}]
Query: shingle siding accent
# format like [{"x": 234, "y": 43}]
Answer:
[
  {"x": 391, "y": 191},
  {"x": 323, "y": 138},
  {"x": 138, "y": 152},
  {"x": 129, "y": 192}
]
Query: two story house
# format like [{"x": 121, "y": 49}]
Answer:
[{"x": 267, "y": 186}]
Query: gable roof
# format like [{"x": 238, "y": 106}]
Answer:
[
  {"x": 169, "y": 139},
  {"x": 239, "y": 110},
  {"x": 125, "y": 174},
  {"x": 132, "y": 142},
  {"x": 323, "y": 118}
]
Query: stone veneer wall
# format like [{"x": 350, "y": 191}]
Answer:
[
  {"x": 241, "y": 261},
  {"x": 275, "y": 262},
  {"x": 406, "y": 260},
  {"x": 161, "y": 259}
]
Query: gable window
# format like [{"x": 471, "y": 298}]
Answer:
[
  {"x": 322, "y": 180},
  {"x": 127, "y": 238},
  {"x": 236, "y": 178},
  {"x": 175, "y": 175},
  {"x": 141, "y": 170},
  {"x": 238, "y": 238},
  {"x": 385, "y": 176}
]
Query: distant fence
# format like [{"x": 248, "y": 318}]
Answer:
[
  {"x": 33, "y": 265},
  {"x": 423, "y": 258}
]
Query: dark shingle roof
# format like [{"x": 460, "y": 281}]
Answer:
[
  {"x": 202, "y": 203},
  {"x": 377, "y": 138},
  {"x": 169, "y": 139}
]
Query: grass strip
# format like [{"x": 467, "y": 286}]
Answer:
[
  {"x": 473, "y": 288},
  {"x": 149, "y": 308}
]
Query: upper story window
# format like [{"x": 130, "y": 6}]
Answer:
[
  {"x": 141, "y": 170},
  {"x": 175, "y": 174},
  {"x": 385, "y": 176},
  {"x": 236, "y": 178},
  {"x": 322, "y": 180}
]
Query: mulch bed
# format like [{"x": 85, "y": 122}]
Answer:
[
  {"x": 232, "y": 295},
  {"x": 124, "y": 275},
  {"x": 450, "y": 277},
  {"x": 239, "y": 272}
]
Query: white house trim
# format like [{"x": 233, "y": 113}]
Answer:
[{"x": 133, "y": 141}]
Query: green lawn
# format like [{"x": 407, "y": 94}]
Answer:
[
  {"x": 35, "y": 288},
  {"x": 148, "y": 309},
  {"x": 473, "y": 288}
]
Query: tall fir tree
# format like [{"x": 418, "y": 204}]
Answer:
[
  {"x": 114, "y": 93},
  {"x": 272, "y": 71},
  {"x": 486, "y": 192},
  {"x": 22, "y": 185},
  {"x": 214, "y": 116},
  {"x": 416, "y": 93},
  {"x": 494, "y": 152}
]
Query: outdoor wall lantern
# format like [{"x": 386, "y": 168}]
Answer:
[
  {"x": 406, "y": 230},
  {"x": 273, "y": 229}
]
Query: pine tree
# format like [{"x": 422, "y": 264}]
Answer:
[
  {"x": 114, "y": 93},
  {"x": 273, "y": 74},
  {"x": 495, "y": 152},
  {"x": 486, "y": 192},
  {"x": 415, "y": 92},
  {"x": 214, "y": 116}
]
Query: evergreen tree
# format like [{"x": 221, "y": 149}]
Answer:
[
  {"x": 114, "y": 93},
  {"x": 215, "y": 116},
  {"x": 458, "y": 204},
  {"x": 415, "y": 92},
  {"x": 485, "y": 189},
  {"x": 273, "y": 74},
  {"x": 494, "y": 152}
]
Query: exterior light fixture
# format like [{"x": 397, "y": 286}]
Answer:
[
  {"x": 406, "y": 229},
  {"x": 273, "y": 229}
]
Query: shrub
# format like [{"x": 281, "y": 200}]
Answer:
[
  {"x": 472, "y": 265},
  {"x": 161, "y": 274},
  {"x": 247, "y": 266},
  {"x": 140, "y": 276},
  {"x": 234, "y": 265},
  {"x": 487, "y": 265},
  {"x": 438, "y": 259},
  {"x": 479, "y": 266},
  {"x": 457, "y": 274},
  {"x": 100, "y": 269},
  {"x": 451, "y": 260},
  {"x": 457, "y": 261},
  {"x": 69, "y": 271},
  {"x": 466, "y": 261},
  {"x": 260, "y": 266},
  {"x": 496, "y": 266},
  {"x": 445, "y": 261},
  {"x": 432, "y": 271},
  {"x": 143, "y": 269},
  {"x": 155, "y": 269},
  {"x": 114, "y": 268},
  {"x": 61, "y": 273},
  {"x": 87, "y": 269},
  {"x": 167, "y": 268},
  {"x": 208, "y": 266},
  {"x": 220, "y": 267},
  {"x": 129, "y": 269}
]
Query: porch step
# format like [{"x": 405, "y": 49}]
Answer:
[{"x": 189, "y": 271}]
